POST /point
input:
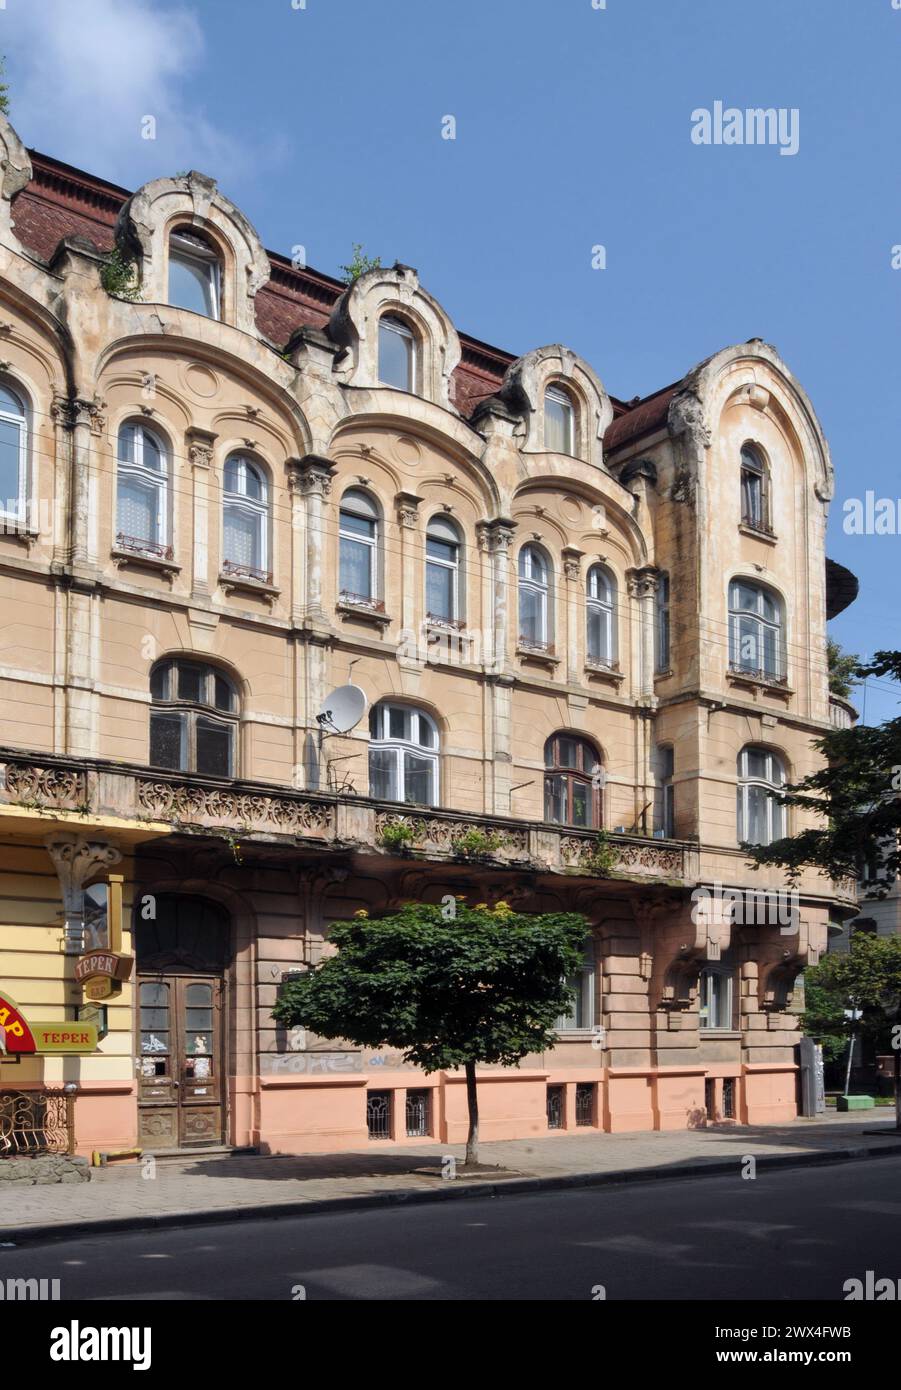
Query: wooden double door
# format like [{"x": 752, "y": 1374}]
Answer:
[{"x": 180, "y": 1060}]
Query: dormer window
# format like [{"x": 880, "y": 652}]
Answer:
[
  {"x": 194, "y": 274},
  {"x": 397, "y": 354},
  {"x": 559, "y": 422}
]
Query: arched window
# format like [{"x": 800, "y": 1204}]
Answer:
[
  {"x": 13, "y": 455},
  {"x": 443, "y": 596},
  {"x": 601, "y": 616},
  {"x": 142, "y": 492},
  {"x": 245, "y": 519},
  {"x": 358, "y": 530},
  {"x": 761, "y": 819},
  {"x": 193, "y": 719},
  {"x": 403, "y": 755},
  {"x": 194, "y": 274},
  {"x": 572, "y": 782},
  {"x": 756, "y": 631},
  {"x": 534, "y": 599},
  {"x": 559, "y": 421},
  {"x": 397, "y": 354},
  {"x": 716, "y": 998},
  {"x": 755, "y": 491}
]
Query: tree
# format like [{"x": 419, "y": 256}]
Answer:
[
  {"x": 842, "y": 669},
  {"x": 855, "y": 796},
  {"x": 866, "y": 977},
  {"x": 359, "y": 264},
  {"x": 450, "y": 987},
  {"x": 4, "y": 87}
]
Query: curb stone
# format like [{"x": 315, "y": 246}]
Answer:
[{"x": 458, "y": 1190}]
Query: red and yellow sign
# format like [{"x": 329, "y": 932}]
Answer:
[{"x": 24, "y": 1038}]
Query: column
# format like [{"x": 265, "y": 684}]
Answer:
[{"x": 199, "y": 447}]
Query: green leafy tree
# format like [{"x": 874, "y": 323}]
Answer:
[
  {"x": 449, "y": 987},
  {"x": 855, "y": 797},
  {"x": 842, "y": 669},
  {"x": 359, "y": 264},
  {"x": 4, "y": 88},
  {"x": 868, "y": 978}
]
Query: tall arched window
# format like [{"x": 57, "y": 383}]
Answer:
[
  {"x": 193, "y": 719},
  {"x": 397, "y": 354},
  {"x": 403, "y": 754},
  {"x": 142, "y": 492},
  {"x": 245, "y": 519},
  {"x": 358, "y": 529},
  {"x": 761, "y": 819},
  {"x": 534, "y": 599},
  {"x": 443, "y": 589},
  {"x": 572, "y": 782},
  {"x": 559, "y": 421},
  {"x": 755, "y": 491},
  {"x": 756, "y": 631},
  {"x": 601, "y": 602},
  {"x": 13, "y": 455},
  {"x": 662, "y": 653},
  {"x": 194, "y": 274}
]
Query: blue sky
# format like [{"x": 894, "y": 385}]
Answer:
[{"x": 573, "y": 129}]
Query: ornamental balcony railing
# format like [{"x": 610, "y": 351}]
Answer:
[
  {"x": 842, "y": 714},
  {"x": 352, "y": 600},
  {"x": 36, "y": 1122},
  {"x": 231, "y": 569},
  {"x": 136, "y": 545}
]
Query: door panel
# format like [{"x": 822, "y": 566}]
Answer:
[{"x": 180, "y": 1060}]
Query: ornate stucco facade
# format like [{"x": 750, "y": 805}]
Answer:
[{"x": 626, "y": 616}]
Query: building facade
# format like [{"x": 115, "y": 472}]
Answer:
[{"x": 589, "y": 636}]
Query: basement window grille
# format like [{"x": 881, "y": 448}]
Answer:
[
  {"x": 555, "y": 1107},
  {"x": 378, "y": 1114},
  {"x": 585, "y": 1103},
  {"x": 417, "y": 1114}
]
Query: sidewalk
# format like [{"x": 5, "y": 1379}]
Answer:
[{"x": 198, "y": 1190}]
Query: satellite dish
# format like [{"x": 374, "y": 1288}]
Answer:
[{"x": 343, "y": 709}]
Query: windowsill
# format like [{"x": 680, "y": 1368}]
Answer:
[
  {"x": 577, "y": 1035},
  {"x": 544, "y": 657},
  {"x": 754, "y": 680},
  {"x": 448, "y": 627},
  {"x": 144, "y": 560},
  {"x": 243, "y": 583},
  {"x": 721, "y": 1034},
  {"x": 364, "y": 611},
  {"x": 758, "y": 533},
  {"x": 663, "y": 675},
  {"x": 20, "y": 532},
  {"x": 610, "y": 673}
]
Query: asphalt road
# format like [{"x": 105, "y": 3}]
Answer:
[{"x": 789, "y": 1235}]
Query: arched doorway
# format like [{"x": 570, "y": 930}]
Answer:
[{"x": 182, "y": 954}]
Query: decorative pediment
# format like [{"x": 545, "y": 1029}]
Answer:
[{"x": 558, "y": 370}]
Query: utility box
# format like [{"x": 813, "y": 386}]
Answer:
[{"x": 813, "y": 1089}]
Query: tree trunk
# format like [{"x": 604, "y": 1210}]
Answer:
[{"x": 472, "y": 1100}]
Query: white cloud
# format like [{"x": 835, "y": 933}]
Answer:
[{"x": 83, "y": 74}]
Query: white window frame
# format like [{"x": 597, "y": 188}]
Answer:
[
  {"x": 561, "y": 397},
  {"x": 371, "y": 513},
  {"x": 762, "y": 624},
  {"x": 528, "y": 583},
  {"x": 187, "y": 251},
  {"x": 585, "y": 981},
  {"x": 772, "y": 781},
  {"x": 606, "y": 608},
  {"x": 454, "y": 566},
  {"x": 381, "y": 740},
  {"x": 725, "y": 976},
  {"x": 159, "y": 480},
  {"x": 390, "y": 323},
  {"x": 20, "y": 421},
  {"x": 257, "y": 508}
]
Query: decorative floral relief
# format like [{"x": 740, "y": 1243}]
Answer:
[
  {"x": 174, "y": 801},
  {"x": 434, "y": 832},
  {"x": 646, "y": 859},
  {"x": 48, "y": 786}
]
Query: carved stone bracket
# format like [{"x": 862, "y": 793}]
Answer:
[{"x": 77, "y": 858}]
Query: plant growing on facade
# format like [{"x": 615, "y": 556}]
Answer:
[
  {"x": 119, "y": 276},
  {"x": 842, "y": 667},
  {"x": 478, "y": 844},
  {"x": 4, "y": 88},
  {"x": 602, "y": 859},
  {"x": 359, "y": 264},
  {"x": 480, "y": 986},
  {"x": 398, "y": 835}
]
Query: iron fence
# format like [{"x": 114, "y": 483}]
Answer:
[{"x": 36, "y": 1122}]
